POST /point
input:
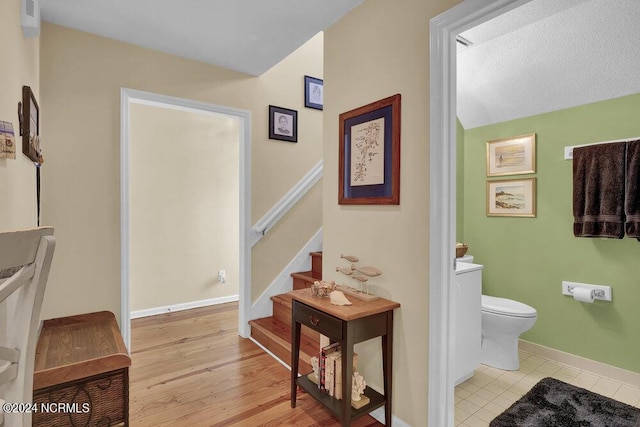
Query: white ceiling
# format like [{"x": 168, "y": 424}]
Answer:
[
  {"x": 249, "y": 36},
  {"x": 544, "y": 56},
  {"x": 549, "y": 55}
]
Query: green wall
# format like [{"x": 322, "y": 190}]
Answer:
[
  {"x": 526, "y": 259},
  {"x": 459, "y": 182}
]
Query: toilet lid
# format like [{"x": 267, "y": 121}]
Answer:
[{"x": 506, "y": 307}]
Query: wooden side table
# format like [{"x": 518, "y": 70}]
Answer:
[
  {"x": 82, "y": 368},
  {"x": 347, "y": 325}
]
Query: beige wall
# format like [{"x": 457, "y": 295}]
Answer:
[
  {"x": 81, "y": 77},
  {"x": 20, "y": 66},
  {"x": 184, "y": 206},
  {"x": 380, "y": 49}
]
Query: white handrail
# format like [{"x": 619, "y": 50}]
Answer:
[{"x": 287, "y": 202}]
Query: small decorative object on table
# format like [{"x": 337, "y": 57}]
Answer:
[
  {"x": 359, "y": 274},
  {"x": 322, "y": 289},
  {"x": 338, "y": 298},
  {"x": 461, "y": 249},
  {"x": 358, "y": 400}
]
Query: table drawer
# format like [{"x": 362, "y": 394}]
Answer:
[{"x": 317, "y": 320}]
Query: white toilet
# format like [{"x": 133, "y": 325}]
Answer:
[{"x": 503, "y": 320}]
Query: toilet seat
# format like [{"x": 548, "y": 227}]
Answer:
[{"x": 507, "y": 307}]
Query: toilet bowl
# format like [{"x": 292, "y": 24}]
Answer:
[{"x": 503, "y": 320}]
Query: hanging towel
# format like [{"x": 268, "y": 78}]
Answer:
[
  {"x": 598, "y": 190},
  {"x": 632, "y": 192}
]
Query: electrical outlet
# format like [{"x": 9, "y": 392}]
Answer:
[
  {"x": 568, "y": 153},
  {"x": 222, "y": 276}
]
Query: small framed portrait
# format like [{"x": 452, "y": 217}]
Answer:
[
  {"x": 283, "y": 124},
  {"x": 313, "y": 93}
]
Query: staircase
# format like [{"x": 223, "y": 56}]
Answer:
[{"x": 274, "y": 332}]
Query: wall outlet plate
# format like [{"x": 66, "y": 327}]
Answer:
[
  {"x": 568, "y": 153},
  {"x": 605, "y": 288},
  {"x": 222, "y": 276}
]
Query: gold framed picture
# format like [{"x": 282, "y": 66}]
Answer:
[
  {"x": 514, "y": 197},
  {"x": 511, "y": 156}
]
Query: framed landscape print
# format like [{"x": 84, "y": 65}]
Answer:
[
  {"x": 511, "y": 156},
  {"x": 516, "y": 197},
  {"x": 369, "y": 154}
]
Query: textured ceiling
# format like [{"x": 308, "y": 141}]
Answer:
[
  {"x": 249, "y": 36},
  {"x": 548, "y": 55}
]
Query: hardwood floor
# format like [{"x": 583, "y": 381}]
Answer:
[{"x": 191, "y": 368}]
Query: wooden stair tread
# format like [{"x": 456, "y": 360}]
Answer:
[
  {"x": 307, "y": 275},
  {"x": 277, "y": 335}
]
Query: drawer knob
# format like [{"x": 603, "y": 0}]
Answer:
[{"x": 315, "y": 320}]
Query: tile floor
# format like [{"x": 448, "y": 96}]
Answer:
[{"x": 490, "y": 391}]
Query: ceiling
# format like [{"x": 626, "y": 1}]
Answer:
[
  {"x": 548, "y": 55},
  {"x": 250, "y": 36},
  {"x": 544, "y": 56}
]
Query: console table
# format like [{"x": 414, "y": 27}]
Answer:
[{"x": 348, "y": 325}]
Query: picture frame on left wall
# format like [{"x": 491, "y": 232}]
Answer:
[
  {"x": 283, "y": 124},
  {"x": 29, "y": 116}
]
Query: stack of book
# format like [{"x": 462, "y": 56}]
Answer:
[{"x": 330, "y": 367}]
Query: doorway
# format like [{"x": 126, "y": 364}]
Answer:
[
  {"x": 442, "y": 200},
  {"x": 132, "y": 99}
]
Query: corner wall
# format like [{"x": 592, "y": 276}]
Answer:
[
  {"x": 81, "y": 79},
  {"x": 526, "y": 259},
  {"x": 20, "y": 66},
  {"x": 379, "y": 49}
]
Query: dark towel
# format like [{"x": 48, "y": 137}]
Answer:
[
  {"x": 598, "y": 190},
  {"x": 632, "y": 195}
]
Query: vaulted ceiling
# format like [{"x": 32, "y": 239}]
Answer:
[
  {"x": 548, "y": 55},
  {"x": 249, "y": 36},
  {"x": 544, "y": 56}
]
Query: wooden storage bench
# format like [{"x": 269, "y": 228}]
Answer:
[{"x": 81, "y": 374}]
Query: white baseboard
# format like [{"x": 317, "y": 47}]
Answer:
[
  {"x": 183, "y": 306},
  {"x": 263, "y": 307},
  {"x": 598, "y": 368}
]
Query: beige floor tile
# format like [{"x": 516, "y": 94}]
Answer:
[
  {"x": 495, "y": 388},
  {"x": 585, "y": 380},
  {"x": 604, "y": 391},
  {"x": 608, "y": 383},
  {"x": 460, "y": 414},
  {"x": 485, "y": 415},
  {"x": 627, "y": 394},
  {"x": 462, "y": 392},
  {"x": 487, "y": 394},
  {"x": 474, "y": 421},
  {"x": 521, "y": 387},
  {"x": 477, "y": 400},
  {"x": 504, "y": 401},
  {"x": 494, "y": 408},
  {"x": 469, "y": 386},
  {"x": 467, "y": 406},
  {"x": 536, "y": 360},
  {"x": 511, "y": 395}
]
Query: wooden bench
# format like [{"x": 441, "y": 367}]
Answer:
[{"x": 81, "y": 374}]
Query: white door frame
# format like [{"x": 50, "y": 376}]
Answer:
[
  {"x": 132, "y": 96},
  {"x": 442, "y": 187}
]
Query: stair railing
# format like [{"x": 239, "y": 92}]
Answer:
[{"x": 279, "y": 210}]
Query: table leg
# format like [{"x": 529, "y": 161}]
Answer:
[
  {"x": 347, "y": 376},
  {"x": 387, "y": 367},
  {"x": 295, "y": 358}
]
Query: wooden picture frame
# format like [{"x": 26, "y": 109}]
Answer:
[
  {"x": 515, "y": 197},
  {"x": 369, "y": 154},
  {"x": 30, "y": 126},
  {"x": 512, "y": 156},
  {"x": 283, "y": 124},
  {"x": 313, "y": 92}
]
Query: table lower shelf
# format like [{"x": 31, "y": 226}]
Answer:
[{"x": 376, "y": 399}]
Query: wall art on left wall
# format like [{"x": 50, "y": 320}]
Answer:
[{"x": 7, "y": 141}]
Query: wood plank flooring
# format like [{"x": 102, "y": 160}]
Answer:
[{"x": 191, "y": 368}]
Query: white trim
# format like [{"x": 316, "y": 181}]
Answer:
[
  {"x": 287, "y": 202},
  {"x": 579, "y": 362},
  {"x": 442, "y": 178},
  {"x": 263, "y": 307},
  {"x": 128, "y": 96},
  {"x": 183, "y": 306}
]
